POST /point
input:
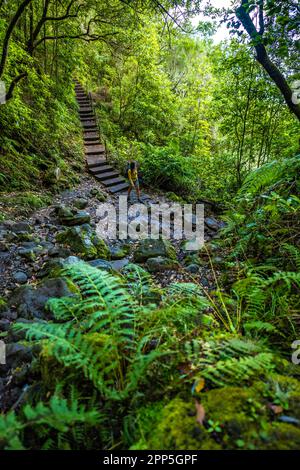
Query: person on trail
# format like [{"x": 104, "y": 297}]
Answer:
[{"x": 133, "y": 177}]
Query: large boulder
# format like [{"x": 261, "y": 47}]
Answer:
[
  {"x": 84, "y": 242},
  {"x": 150, "y": 248}
]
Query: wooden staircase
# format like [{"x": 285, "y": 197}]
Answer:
[{"x": 94, "y": 151}]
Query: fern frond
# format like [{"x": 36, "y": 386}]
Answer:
[{"x": 269, "y": 174}]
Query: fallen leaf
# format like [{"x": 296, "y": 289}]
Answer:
[{"x": 200, "y": 412}]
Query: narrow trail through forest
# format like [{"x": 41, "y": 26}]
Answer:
[{"x": 34, "y": 247}]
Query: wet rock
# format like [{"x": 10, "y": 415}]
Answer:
[
  {"x": 60, "y": 251},
  {"x": 17, "y": 353},
  {"x": 21, "y": 227},
  {"x": 186, "y": 247},
  {"x": 119, "y": 264},
  {"x": 204, "y": 282},
  {"x": 71, "y": 260},
  {"x": 27, "y": 253},
  {"x": 212, "y": 223},
  {"x": 70, "y": 217},
  {"x": 8, "y": 314},
  {"x": 30, "y": 302},
  {"x": 150, "y": 248},
  {"x": 101, "y": 264},
  {"x": 4, "y": 324},
  {"x": 20, "y": 277},
  {"x": 160, "y": 263},
  {"x": 80, "y": 203},
  {"x": 109, "y": 266},
  {"x": 84, "y": 242},
  {"x": 193, "y": 268},
  {"x": 21, "y": 375},
  {"x": 193, "y": 259},
  {"x": 51, "y": 266},
  {"x": 94, "y": 192},
  {"x": 118, "y": 251}
]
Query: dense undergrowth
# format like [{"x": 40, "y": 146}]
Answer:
[
  {"x": 125, "y": 364},
  {"x": 40, "y": 140}
]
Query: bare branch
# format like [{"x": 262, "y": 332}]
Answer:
[{"x": 13, "y": 85}]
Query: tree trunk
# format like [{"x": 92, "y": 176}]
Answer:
[{"x": 263, "y": 58}]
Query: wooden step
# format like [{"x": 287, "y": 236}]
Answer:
[
  {"x": 91, "y": 143},
  {"x": 112, "y": 181},
  {"x": 87, "y": 116},
  {"x": 101, "y": 169},
  {"x": 88, "y": 122},
  {"x": 107, "y": 175},
  {"x": 94, "y": 149},
  {"x": 83, "y": 109},
  {"x": 90, "y": 128},
  {"x": 83, "y": 112},
  {"x": 91, "y": 135},
  {"x": 118, "y": 188},
  {"x": 94, "y": 161}
]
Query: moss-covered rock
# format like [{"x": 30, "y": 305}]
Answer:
[
  {"x": 84, "y": 242},
  {"x": 176, "y": 428},
  {"x": 150, "y": 248},
  {"x": 159, "y": 263}
]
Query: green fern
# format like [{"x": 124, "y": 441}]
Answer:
[
  {"x": 231, "y": 361},
  {"x": 105, "y": 345},
  {"x": 186, "y": 293},
  {"x": 294, "y": 254},
  {"x": 269, "y": 174},
  {"x": 140, "y": 284},
  {"x": 58, "y": 415}
]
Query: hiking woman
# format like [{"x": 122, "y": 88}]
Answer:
[{"x": 133, "y": 179}]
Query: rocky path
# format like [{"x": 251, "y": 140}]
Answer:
[{"x": 33, "y": 249}]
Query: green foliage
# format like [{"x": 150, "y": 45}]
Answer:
[
  {"x": 58, "y": 418},
  {"x": 231, "y": 361},
  {"x": 100, "y": 340}
]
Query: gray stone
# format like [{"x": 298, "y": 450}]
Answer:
[
  {"x": 20, "y": 277},
  {"x": 4, "y": 324},
  {"x": 71, "y": 260},
  {"x": 116, "y": 265},
  {"x": 150, "y": 248},
  {"x": 101, "y": 264},
  {"x": 21, "y": 226},
  {"x": 27, "y": 253},
  {"x": 212, "y": 223},
  {"x": 17, "y": 353},
  {"x": 84, "y": 242},
  {"x": 193, "y": 268},
  {"x": 70, "y": 217},
  {"x": 80, "y": 203},
  {"x": 118, "y": 252},
  {"x": 30, "y": 302},
  {"x": 160, "y": 263}
]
